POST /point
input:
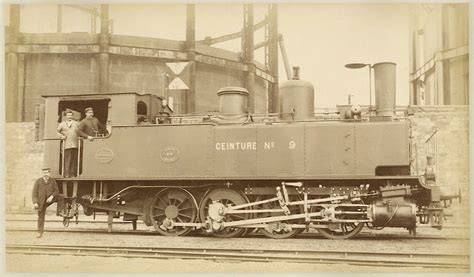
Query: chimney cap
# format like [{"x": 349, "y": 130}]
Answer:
[{"x": 232, "y": 90}]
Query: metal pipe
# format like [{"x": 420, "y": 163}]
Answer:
[
  {"x": 79, "y": 160},
  {"x": 285, "y": 57},
  {"x": 62, "y": 156},
  {"x": 370, "y": 87}
]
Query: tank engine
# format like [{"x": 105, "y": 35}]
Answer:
[{"x": 232, "y": 172}]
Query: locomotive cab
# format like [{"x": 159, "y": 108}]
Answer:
[{"x": 113, "y": 110}]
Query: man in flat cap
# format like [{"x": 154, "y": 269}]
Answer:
[
  {"x": 45, "y": 192},
  {"x": 67, "y": 131},
  {"x": 90, "y": 126}
]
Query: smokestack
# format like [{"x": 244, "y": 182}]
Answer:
[{"x": 385, "y": 88}]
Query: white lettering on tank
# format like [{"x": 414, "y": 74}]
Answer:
[
  {"x": 269, "y": 145},
  {"x": 242, "y": 145}
]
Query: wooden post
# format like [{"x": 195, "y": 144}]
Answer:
[
  {"x": 134, "y": 224},
  {"x": 110, "y": 221}
]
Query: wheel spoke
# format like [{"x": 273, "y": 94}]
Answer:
[
  {"x": 185, "y": 200},
  {"x": 180, "y": 214},
  {"x": 162, "y": 201},
  {"x": 238, "y": 217},
  {"x": 159, "y": 208}
]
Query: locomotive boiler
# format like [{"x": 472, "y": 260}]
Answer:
[{"x": 232, "y": 172}]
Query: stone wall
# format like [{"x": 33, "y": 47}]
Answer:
[
  {"x": 452, "y": 125},
  {"x": 24, "y": 160}
]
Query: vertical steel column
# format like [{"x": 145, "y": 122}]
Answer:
[
  {"x": 273, "y": 95},
  {"x": 12, "y": 66},
  {"x": 59, "y": 23},
  {"x": 190, "y": 47},
  {"x": 249, "y": 54},
  {"x": 94, "y": 21},
  {"x": 104, "y": 40}
]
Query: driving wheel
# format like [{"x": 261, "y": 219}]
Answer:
[
  {"x": 226, "y": 197},
  {"x": 173, "y": 205}
]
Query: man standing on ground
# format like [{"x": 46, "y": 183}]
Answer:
[
  {"x": 90, "y": 126},
  {"x": 67, "y": 131},
  {"x": 45, "y": 192}
]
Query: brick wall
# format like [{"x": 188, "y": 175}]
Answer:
[{"x": 24, "y": 160}]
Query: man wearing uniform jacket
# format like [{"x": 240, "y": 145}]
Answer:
[
  {"x": 90, "y": 126},
  {"x": 45, "y": 192}
]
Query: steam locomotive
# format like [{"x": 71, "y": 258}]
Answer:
[{"x": 232, "y": 172}]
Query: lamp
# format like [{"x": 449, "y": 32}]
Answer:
[{"x": 361, "y": 65}]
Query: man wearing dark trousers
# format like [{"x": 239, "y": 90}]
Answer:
[
  {"x": 45, "y": 192},
  {"x": 67, "y": 131}
]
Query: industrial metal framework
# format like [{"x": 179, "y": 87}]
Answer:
[{"x": 15, "y": 48}]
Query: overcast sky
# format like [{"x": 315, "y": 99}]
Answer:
[{"x": 320, "y": 38}]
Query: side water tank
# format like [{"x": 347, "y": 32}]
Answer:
[{"x": 296, "y": 98}]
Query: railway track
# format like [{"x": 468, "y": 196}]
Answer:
[
  {"x": 362, "y": 236},
  {"x": 357, "y": 258},
  {"x": 34, "y": 220}
]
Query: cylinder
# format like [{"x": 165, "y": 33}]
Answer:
[
  {"x": 233, "y": 101},
  {"x": 385, "y": 88},
  {"x": 296, "y": 100},
  {"x": 395, "y": 215}
]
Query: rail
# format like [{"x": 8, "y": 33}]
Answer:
[{"x": 387, "y": 259}]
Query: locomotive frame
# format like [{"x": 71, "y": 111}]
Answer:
[{"x": 241, "y": 172}]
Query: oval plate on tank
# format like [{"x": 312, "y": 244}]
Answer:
[
  {"x": 104, "y": 155},
  {"x": 169, "y": 154}
]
